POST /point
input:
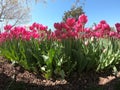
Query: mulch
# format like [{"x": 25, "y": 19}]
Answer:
[{"x": 16, "y": 78}]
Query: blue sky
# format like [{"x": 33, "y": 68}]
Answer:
[{"x": 96, "y": 10}]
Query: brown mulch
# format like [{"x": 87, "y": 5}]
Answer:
[{"x": 25, "y": 80}]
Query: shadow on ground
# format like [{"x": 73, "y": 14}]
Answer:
[{"x": 7, "y": 83}]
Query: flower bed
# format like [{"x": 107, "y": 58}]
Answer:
[{"x": 70, "y": 48}]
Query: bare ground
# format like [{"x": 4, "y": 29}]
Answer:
[{"x": 16, "y": 78}]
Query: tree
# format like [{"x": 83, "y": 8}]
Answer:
[
  {"x": 74, "y": 12},
  {"x": 13, "y": 12},
  {"x": 45, "y": 1}
]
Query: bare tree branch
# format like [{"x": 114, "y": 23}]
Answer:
[{"x": 13, "y": 12}]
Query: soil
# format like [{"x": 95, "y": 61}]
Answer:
[{"x": 16, "y": 78}]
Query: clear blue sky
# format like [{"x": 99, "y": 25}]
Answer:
[{"x": 96, "y": 10}]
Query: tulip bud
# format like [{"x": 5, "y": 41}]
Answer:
[
  {"x": 92, "y": 39},
  {"x": 104, "y": 50},
  {"x": 86, "y": 43}
]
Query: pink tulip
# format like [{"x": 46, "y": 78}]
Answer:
[
  {"x": 112, "y": 33},
  {"x": 94, "y": 28},
  {"x": 64, "y": 36},
  {"x": 31, "y": 28},
  {"x": 7, "y": 27},
  {"x": 65, "y": 26},
  {"x": 43, "y": 27},
  {"x": 78, "y": 27},
  {"x": 106, "y": 26},
  {"x": 87, "y": 30},
  {"x": 34, "y": 24},
  {"x": 102, "y": 22},
  {"x": 83, "y": 19},
  {"x": 117, "y": 25},
  {"x": 70, "y": 22},
  {"x": 98, "y": 34},
  {"x": 57, "y": 26},
  {"x": 35, "y": 35}
]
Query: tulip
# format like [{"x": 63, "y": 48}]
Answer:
[
  {"x": 83, "y": 19},
  {"x": 117, "y": 25}
]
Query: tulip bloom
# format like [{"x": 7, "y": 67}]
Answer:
[
  {"x": 70, "y": 22},
  {"x": 83, "y": 19},
  {"x": 117, "y": 25},
  {"x": 7, "y": 27}
]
